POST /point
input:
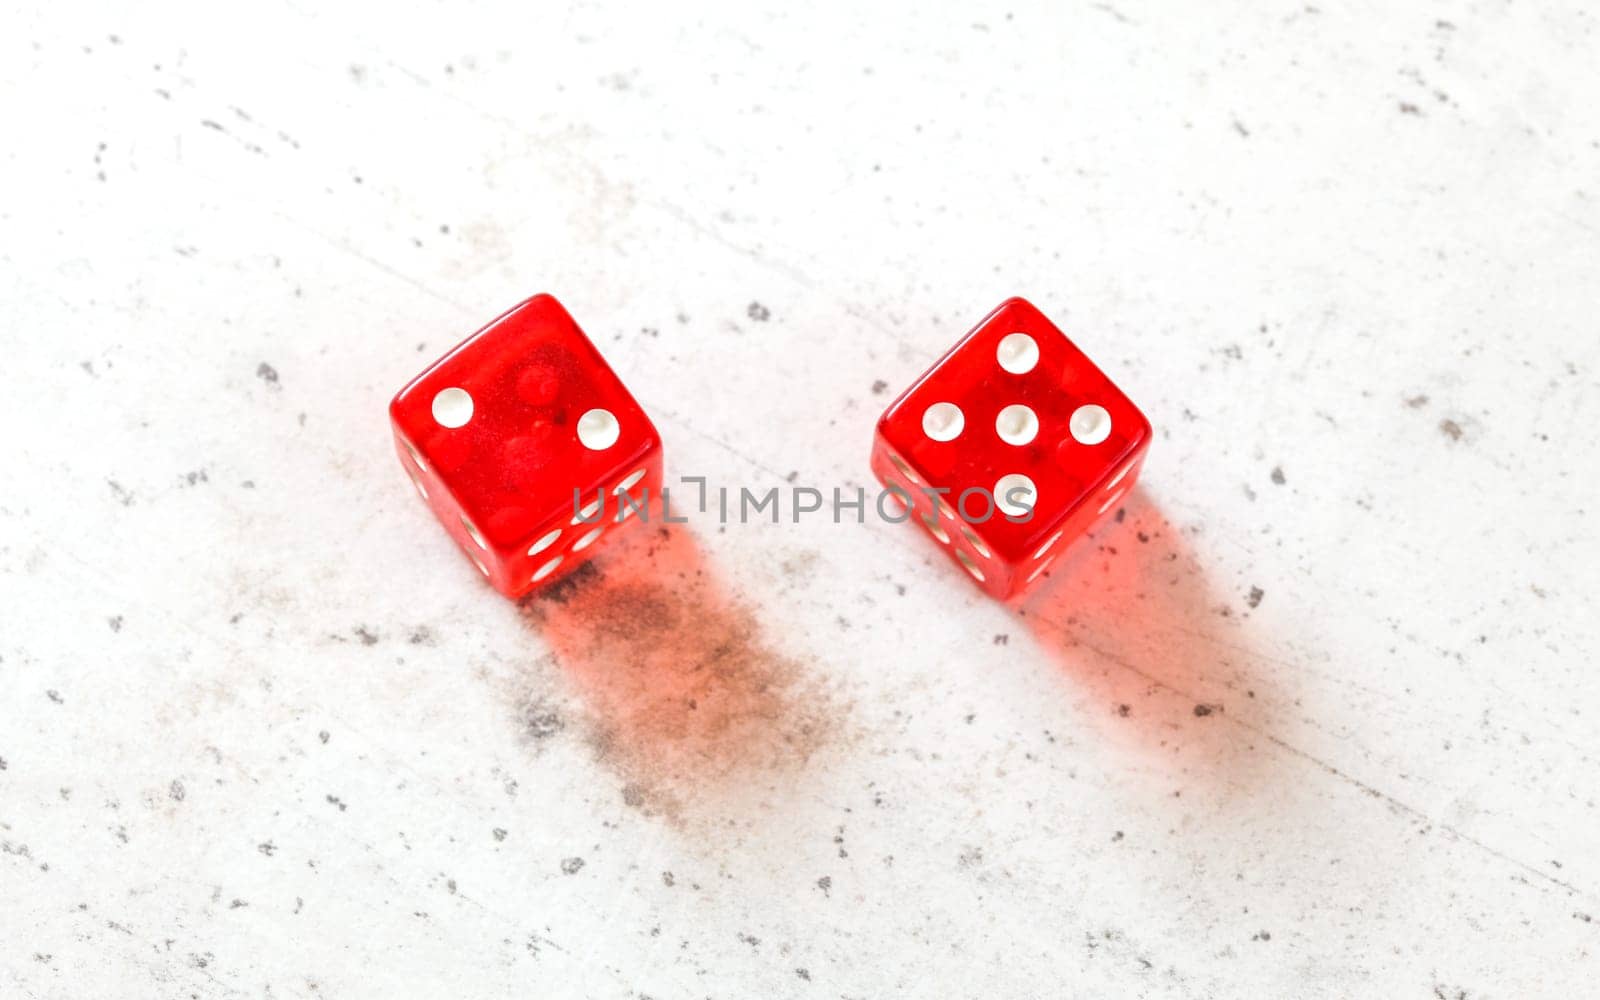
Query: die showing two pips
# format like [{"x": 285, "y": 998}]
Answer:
[{"x": 1011, "y": 446}]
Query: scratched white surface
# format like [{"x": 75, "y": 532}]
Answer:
[{"x": 1316, "y": 719}]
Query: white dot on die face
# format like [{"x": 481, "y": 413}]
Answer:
[
  {"x": 972, "y": 567},
  {"x": 1090, "y": 424},
  {"x": 415, "y": 456},
  {"x": 1015, "y": 494},
  {"x": 544, "y": 542},
  {"x": 587, "y": 514},
  {"x": 935, "y": 529},
  {"x": 905, "y": 470},
  {"x": 1016, "y": 424},
  {"x": 472, "y": 532},
  {"x": 943, "y": 421},
  {"x": 1046, "y": 546},
  {"x": 452, "y": 407},
  {"x": 1121, "y": 475},
  {"x": 587, "y": 540},
  {"x": 1039, "y": 569},
  {"x": 1113, "y": 499},
  {"x": 1017, "y": 353},
  {"x": 976, "y": 542},
  {"x": 627, "y": 484},
  {"x": 546, "y": 569},
  {"x": 598, "y": 429}
]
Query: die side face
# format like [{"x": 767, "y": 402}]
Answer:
[
  {"x": 498, "y": 433},
  {"x": 1015, "y": 409}
]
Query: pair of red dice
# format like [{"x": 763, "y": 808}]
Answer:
[{"x": 531, "y": 451}]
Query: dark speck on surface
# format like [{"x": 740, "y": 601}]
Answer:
[
  {"x": 758, "y": 312},
  {"x": 1256, "y": 594},
  {"x": 366, "y": 635},
  {"x": 1417, "y": 402},
  {"x": 803, "y": 974},
  {"x": 499, "y": 833},
  {"x": 825, "y": 883},
  {"x": 1204, "y": 710},
  {"x": 54, "y": 696},
  {"x": 115, "y": 621},
  {"x": 323, "y": 736},
  {"x": 1450, "y": 429},
  {"x": 879, "y": 386},
  {"x": 541, "y": 720},
  {"x": 267, "y": 373},
  {"x": 563, "y": 589},
  {"x": 571, "y": 866},
  {"x": 1277, "y": 475}
]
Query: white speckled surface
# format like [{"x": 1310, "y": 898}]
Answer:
[{"x": 1316, "y": 719}]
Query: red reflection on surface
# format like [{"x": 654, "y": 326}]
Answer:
[
  {"x": 1130, "y": 615},
  {"x": 686, "y": 698}
]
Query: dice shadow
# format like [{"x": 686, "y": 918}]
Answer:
[
  {"x": 686, "y": 699},
  {"x": 1134, "y": 620}
]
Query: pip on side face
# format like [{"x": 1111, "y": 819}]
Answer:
[{"x": 1030, "y": 441}]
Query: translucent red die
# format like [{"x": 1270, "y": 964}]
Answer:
[
  {"x": 1010, "y": 447},
  {"x": 497, "y": 434}
]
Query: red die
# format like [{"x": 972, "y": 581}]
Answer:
[
  {"x": 1031, "y": 441},
  {"x": 498, "y": 433}
]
